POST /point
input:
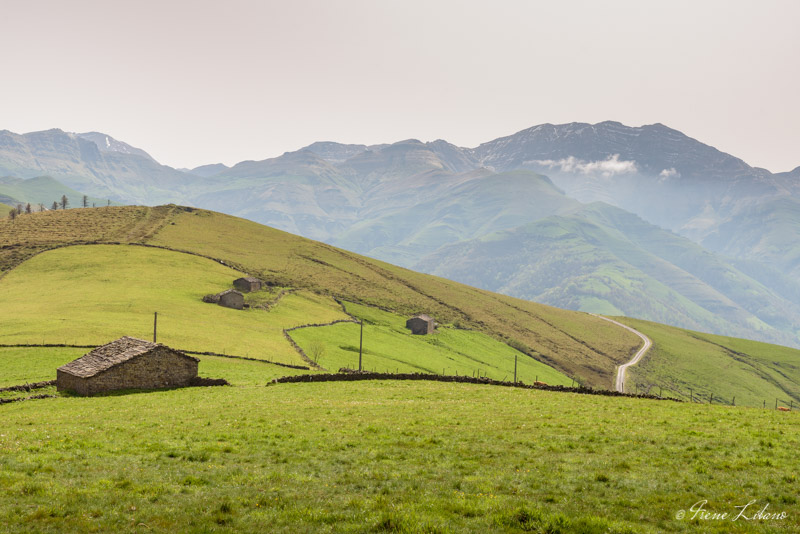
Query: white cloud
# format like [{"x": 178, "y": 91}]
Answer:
[
  {"x": 669, "y": 173},
  {"x": 607, "y": 167}
]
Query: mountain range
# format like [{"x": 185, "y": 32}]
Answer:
[{"x": 638, "y": 221}]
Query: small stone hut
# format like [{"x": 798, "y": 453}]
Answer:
[
  {"x": 248, "y": 284},
  {"x": 421, "y": 324},
  {"x": 231, "y": 299},
  {"x": 127, "y": 363}
]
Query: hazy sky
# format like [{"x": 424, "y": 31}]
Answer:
[{"x": 195, "y": 82}]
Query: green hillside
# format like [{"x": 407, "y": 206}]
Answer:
[
  {"x": 388, "y": 347},
  {"x": 42, "y": 190},
  {"x": 381, "y": 456},
  {"x": 403, "y": 222},
  {"x": 108, "y": 291},
  {"x": 604, "y": 260},
  {"x": 90, "y": 294},
  {"x": 725, "y": 367},
  {"x": 105, "y": 292},
  {"x": 4, "y": 209}
]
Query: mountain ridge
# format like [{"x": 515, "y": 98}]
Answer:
[{"x": 403, "y": 202}]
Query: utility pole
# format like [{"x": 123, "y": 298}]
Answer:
[
  {"x": 360, "y": 344},
  {"x": 515, "y": 368},
  {"x": 155, "y": 327}
]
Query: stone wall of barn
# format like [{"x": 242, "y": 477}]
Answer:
[
  {"x": 419, "y": 326},
  {"x": 232, "y": 300},
  {"x": 159, "y": 368},
  {"x": 68, "y": 382}
]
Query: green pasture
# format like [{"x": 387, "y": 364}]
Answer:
[
  {"x": 726, "y": 367},
  {"x": 390, "y": 347},
  {"x": 90, "y": 295},
  {"x": 36, "y": 364},
  {"x": 579, "y": 344},
  {"x": 390, "y": 457},
  {"x": 27, "y": 365}
]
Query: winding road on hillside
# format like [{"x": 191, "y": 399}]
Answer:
[{"x": 619, "y": 383}]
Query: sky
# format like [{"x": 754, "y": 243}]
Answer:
[{"x": 196, "y": 82}]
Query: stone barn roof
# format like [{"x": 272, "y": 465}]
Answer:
[
  {"x": 250, "y": 279},
  {"x": 423, "y": 317},
  {"x": 109, "y": 355}
]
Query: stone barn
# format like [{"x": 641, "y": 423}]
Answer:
[
  {"x": 248, "y": 284},
  {"x": 421, "y": 324},
  {"x": 127, "y": 363},
  {"x": 231, "y": 299}
]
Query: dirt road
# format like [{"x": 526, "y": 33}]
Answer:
[{"x": 619, "y": 383}]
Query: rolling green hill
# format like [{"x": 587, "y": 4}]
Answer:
[
  {"x": 379, "y": 456},
  {"x": 42, "y": 190},
  {"x": 740, "y": 371},
  {"x": 576, "y": 344},
  {"x": 605, "y": 260},
  {"x": 112, "y": 289}
]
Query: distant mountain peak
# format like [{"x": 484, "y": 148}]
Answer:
[{"x": 106, "y": 143}]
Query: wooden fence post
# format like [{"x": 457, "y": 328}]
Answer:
[{"x": 360, "y": 344}]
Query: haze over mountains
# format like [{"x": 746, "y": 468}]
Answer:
[{"x": 643, "y": 221}]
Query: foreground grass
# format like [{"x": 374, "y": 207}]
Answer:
[
  {"x": 389, "y": 456},
  {"x": 754, "y": 373},
  {"x": 27, "y": 365},
  {"x": 90, "y": 295},
  {"x": 390, "y": 347}
]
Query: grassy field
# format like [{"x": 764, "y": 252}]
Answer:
[
  {"x": 93, "y": 294},
  {"x": 726, "y": 367},
  {"x": 4, "y": 209},
  {"x": 390, "y": 457},
  {"x": 90, "y": 295},
  {"x": 27, "y": 365},
  {"x": 390, "y": 347},
  {"x": 575, "y": 343}
]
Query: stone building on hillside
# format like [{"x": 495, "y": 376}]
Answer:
[
  {"x": 248, "y": 284},
  {"x": 421, "y": 324},
  {"x": 231, "y": 299},
  {"x": 127, "y": 363}
]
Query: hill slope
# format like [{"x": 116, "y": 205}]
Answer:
[
  {"x": 577, "y": 344},
  {"x": 41, "y": 190},
  {"x": 602, "y": 259}
]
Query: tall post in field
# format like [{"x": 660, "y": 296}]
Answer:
[
  {"x": 515, "y": 368},
  {"x": 360, "y": 344},
  {"x": 155, "y": 327}
]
